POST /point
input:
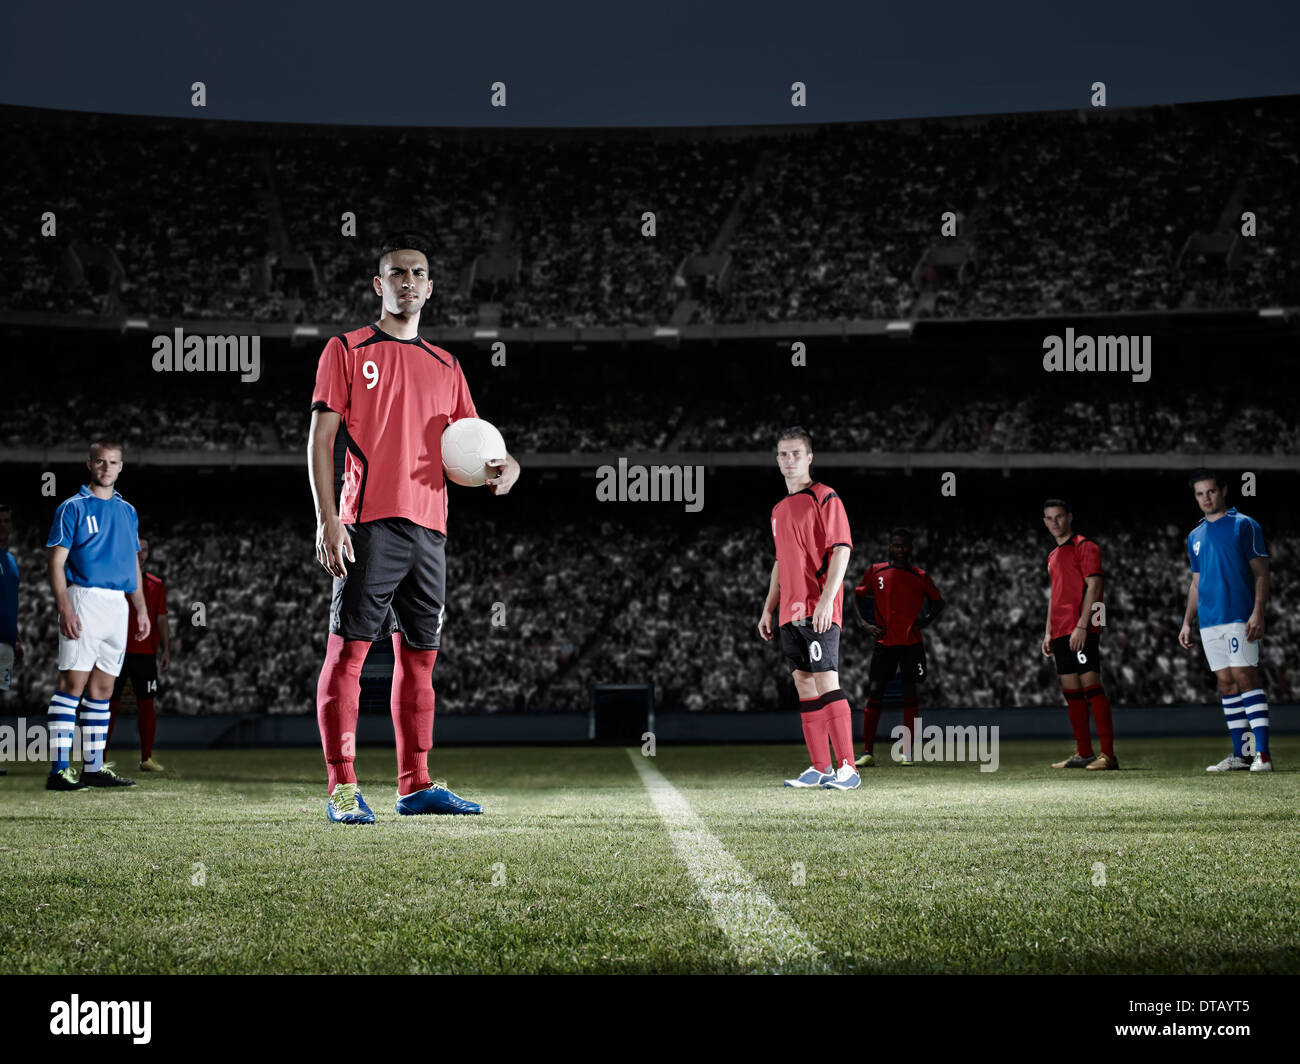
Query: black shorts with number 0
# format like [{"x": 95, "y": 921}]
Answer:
[
  {"x": 907, "y": 661},
  {"x": 809, "y": 651},
  {"x": 1086, "y": 660},
  {"x": 142, "y": 671},
  {"x": 397, "y": 583}
]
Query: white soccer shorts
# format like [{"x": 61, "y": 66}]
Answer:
[
  {"x": 1225, "y": 645},
  {"x": 102, "y": 645}
]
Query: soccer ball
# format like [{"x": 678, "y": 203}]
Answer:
[{"x": 467, "y": 445}]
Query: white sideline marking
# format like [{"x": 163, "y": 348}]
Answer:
[{"x": 758, "y": 930}]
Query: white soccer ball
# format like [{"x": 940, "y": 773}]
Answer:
[{"x": 467, "y": 445}]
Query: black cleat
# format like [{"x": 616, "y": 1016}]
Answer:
[
  {"x": 63, "y": 780},
  {"x": 1077, "y": 761},
  {"x": 105, "y": 777}
]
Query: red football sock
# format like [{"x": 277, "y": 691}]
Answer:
[
  {"x": 147, "y": 724},
  {"x": 1078, "y": 710},
  {"x": 909, "y": 722},
  {"x": 816, "y": 732},
  {"x": 338, "y": 700},
  {"x": 1100, "y": 706},
  {"x": 840, "y": 718},
  {"x": 870, "y": 723},
  {"x": 412, "y": 708}
]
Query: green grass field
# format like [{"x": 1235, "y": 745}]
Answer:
[{"x": 227, "y": 864}]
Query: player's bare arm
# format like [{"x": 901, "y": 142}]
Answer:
[
  {"x": 1047, "y": 632},
  {"x": 69, "y": 622},
  {"x": 1092, "y": 594},
  {"x": 859, "y": 612},
  {"x": 769, "y": 604},
  {"x": 834, "y": 581},
  {"x": 333, "y": 544},
  {"x": 142, "y": 621},
  {"x": 1255, "y": 623},
  {"x": 164, "y": 641},
  {"x": 507, "y": 473},
  {"x": 1185, "y": 633}
]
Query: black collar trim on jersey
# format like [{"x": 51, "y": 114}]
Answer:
[{"x": 378, "y": 336}]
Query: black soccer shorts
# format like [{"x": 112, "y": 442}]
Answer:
[
  {"x": 1070, "y": 661},
  {"x": 142, "y": 671},
  {"x": 907, "y": 661},
  {"x": 397, "y": 583},
  {"x": 809, "y": 651}
]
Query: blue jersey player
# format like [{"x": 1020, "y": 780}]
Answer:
[
  {"x": 1229, "y": 563},
  {"x": 93, "y": 568}
]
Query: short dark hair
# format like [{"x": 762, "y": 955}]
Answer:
[
  {"x": 105, "y": 445},
  {"x": 1201, "y": 473},
  {"x": 1050, "y": 503},
  {"x": 902, "y": 533},
  {"x": 5, "y": 508},
  {"x": 404, "y": 241},
  {"x": 795, "y": 432}
]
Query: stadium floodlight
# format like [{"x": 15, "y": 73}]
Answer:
[{"x": 899, "y": 330}]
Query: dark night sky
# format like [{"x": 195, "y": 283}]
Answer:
[{"x": 612, "y": 63}]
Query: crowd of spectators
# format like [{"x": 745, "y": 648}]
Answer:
[
  {"x": 930, "y": 418},
  {"x": 1061, "y": 213}
]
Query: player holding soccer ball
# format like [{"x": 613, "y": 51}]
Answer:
[
  {"x": 1229, "y": 563},
  {"x": 900, "y": 600},
  {"x": 1073, "y": 637},
  {"x": 384, "y": 544},
  {"x": 813, "y": 545}
]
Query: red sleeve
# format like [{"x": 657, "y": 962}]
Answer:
[
  {"x": 931, "y": 592},
  {"x": 162, "y": 599},
  {"x": 462, "y": 402},
  {"x": 1089, "y": 555},
  {"x": 835, "y": 524},
  {"x": 333, "y": 378}
]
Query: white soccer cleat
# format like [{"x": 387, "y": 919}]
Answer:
[
  {"x": 845, "y": 779},
  {"x": 1231, "y": 763},
  {"x": 1262, "y": 763}
]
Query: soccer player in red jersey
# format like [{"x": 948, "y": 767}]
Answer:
[
  {"x": 1073, "y": 636},
  {"x": 813, "y": 545},
  {"x": 902, "y": 600},
  {"x": 384, "y": 544},
  {"x": 142, "y": 661}
]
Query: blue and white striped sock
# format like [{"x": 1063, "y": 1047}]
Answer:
[
  {"x": 1255, "y": 704},
  {"x": 63, "y": 721},
  {"x": 94, "y": 733},
  {"x": 1236, "y": 718}
]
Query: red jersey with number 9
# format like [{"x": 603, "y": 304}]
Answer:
[{"x": 395, "y": 397}]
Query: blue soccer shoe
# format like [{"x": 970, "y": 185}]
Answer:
[
  {"x": 346, "y": 806},
  {"x": 810, "y": 777},
  {"x": 436, "y": 799}
]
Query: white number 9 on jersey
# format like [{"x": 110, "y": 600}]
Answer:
[{"x": 371, "y": 372}]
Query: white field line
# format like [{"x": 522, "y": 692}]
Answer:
[{"x": 761, "y": 934}]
